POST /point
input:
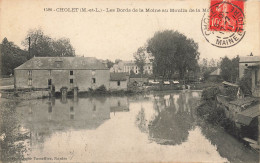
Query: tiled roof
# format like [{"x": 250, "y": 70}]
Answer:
[
  {"x": 216, "y": 72},
  {"x": 245, "y": 117},
  {"x": 64, "y": 62},
  {"x": 120, "y": 76},
  {"x": 249, "y": 59}
]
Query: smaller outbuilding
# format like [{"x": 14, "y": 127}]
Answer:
[
  {"x": 215, "y": 75},
  {"x": 118, "y": 81},
  {"x": 139, "y": 81}
]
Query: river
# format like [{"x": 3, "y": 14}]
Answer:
[{"x": 158, "y": 127}]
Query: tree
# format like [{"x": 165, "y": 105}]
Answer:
[
  {"x": 109, "y": 63},
  {"x": 229, "y": 69},
  {"x": 11, "y": 57},
  {"x": 212, "y": 63},
  {"x": 117, "y": 61},
  {"x": 173, "y": 51},
  {"x": 140, "y": 58},
  {"x": 63, "y": 48},
  {"x": 42, "y": 45},
  {"x": 245, "y": 82}
]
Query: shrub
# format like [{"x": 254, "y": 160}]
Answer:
[
  {"x": 210, "y": 93},
  {"x": 245, "y": 83},
  {"x": 101, "y": 89}
]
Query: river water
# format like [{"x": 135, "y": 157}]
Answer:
[{"x": 143, "y": 128}]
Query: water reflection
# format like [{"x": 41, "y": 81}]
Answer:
[
  {"x": 13, "y": 136},
  {"x": 118, "y": 129},
  {"x": 45, "y": 117},
  {"x": 173, "y": 118},
  {"x": 228, "y": 146}
]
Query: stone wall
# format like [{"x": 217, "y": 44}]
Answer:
[
  {"x": 113, "y": 85},
  {"x": 61, "y": 78}
]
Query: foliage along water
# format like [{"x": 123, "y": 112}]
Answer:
[{"x": 156, "y": 127}]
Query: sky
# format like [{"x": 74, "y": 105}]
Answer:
[{"x": 112, "y": 35}]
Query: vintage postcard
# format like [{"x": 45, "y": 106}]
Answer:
[{"x": 129, "y": 81}]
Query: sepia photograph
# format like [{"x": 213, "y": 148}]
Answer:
[{"x": 169, "y": 81}]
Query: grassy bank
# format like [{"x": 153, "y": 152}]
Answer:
[{"x": 214, "y": 114}]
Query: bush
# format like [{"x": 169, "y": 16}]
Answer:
[
  {"x": 231, "y": 92},
  {"x": 102, "y": 89},
  {"x": 245, "y": 83},
  {"x": 210, "y": 93}
]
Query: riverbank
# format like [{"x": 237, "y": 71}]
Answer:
[
  {"x": 212, "y": 111},
  {"x": 27, "y": 94}
]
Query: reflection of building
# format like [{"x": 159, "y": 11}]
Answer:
[
  {"x": 58, "y": 72},
  {"x": 43, "y": 118},
  {"x": 119, "y": 104},
  {"x": 118, "y": 81},
  {"x": 127, "y": 66}
]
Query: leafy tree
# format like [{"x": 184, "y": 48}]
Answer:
[
  {"x": 173, "y": 51},
  {"x": 117, "y": 61},
  {"x": 11, "y": 57},
  {"x": 140, "y": 58},
  {"x": 229, "y": 69},
  {"x": 109, "y": 63},
  {"x": 245, "y": 82},
  {"x": 132, "y": 74},
  {"x": 212, "y": 63},
  {"x": 42, "y": 45},
  {"x": 204, "y": 65},
  {"x": 63, "y": 48}
]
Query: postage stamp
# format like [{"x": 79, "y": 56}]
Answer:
[{"x": 223, "y": 26}]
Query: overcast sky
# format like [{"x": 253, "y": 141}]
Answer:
[{"x": 118, "y": 35}]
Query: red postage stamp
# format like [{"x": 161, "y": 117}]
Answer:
[
  {"x": 224, "y": 25},
  {"x": 226, "y": 15}
]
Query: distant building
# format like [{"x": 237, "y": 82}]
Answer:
[
  {"x": 127, "y": 66},
  {"x": 252, "y": 64},
  {"x": 246, "y": 61},
  {"x": 139, "y": 81},
  {"x": 215, "y": 75},
  {"x": 118, "y": 81},
  {"x": 57, "y": 72}
]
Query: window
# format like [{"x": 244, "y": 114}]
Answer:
[
  {"x": 118, "y": 83},
  {"x": 30, "y": 73},
  {"x": 58, "y": 64},
  {"x": 29, "y": 82},
  {"x": 71, "y": 80},
  {"x": 93, "y": 80},
  {"x": 246, "y": 64},
  {"x": 71, "y": 116},
  {"x": 71, "y": 72},
  {"x": 49, "y": 82}
]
